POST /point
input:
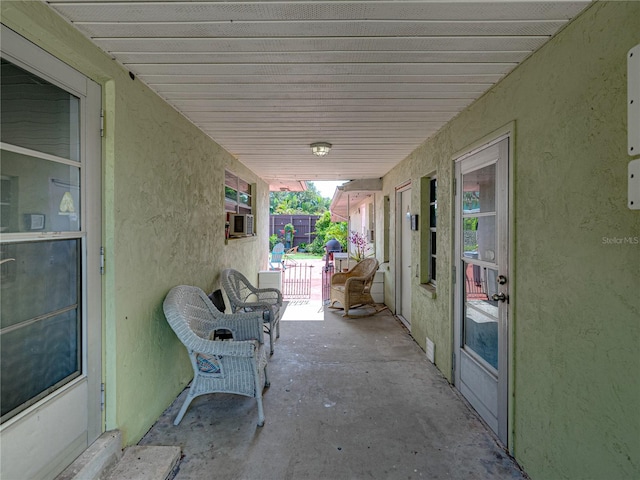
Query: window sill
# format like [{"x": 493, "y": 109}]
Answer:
[
  {"x": 429, "y": 290},
  {"x": 251, "y": 238}
]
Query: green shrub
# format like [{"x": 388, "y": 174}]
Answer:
[
  {"x": 273, "y": 239},
  {"x": 316, "y": 247}
]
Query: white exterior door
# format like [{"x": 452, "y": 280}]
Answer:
[
  {"x": 50, "y": 235},
  {"x": 482, "y": 283},
  {"x": 403, "y": 256}
]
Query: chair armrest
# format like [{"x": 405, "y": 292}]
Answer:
[
  {"x": 269, "y": 294},
  {"x": 357, "y": 279},
  {"x": 255, "y": 306},
  {"x": 354, "y": 283},
  {"x": 339, "y": 278}
]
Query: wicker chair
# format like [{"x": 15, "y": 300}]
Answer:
[
  {"x": 231, "y": 366},
  {"x": 244, "y": 297},
  {"x": 353, "y": 288}
]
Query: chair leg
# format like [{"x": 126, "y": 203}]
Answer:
[
  {"x": 267, "y": 382},
  {"x": 271, "y": 340},
  {"x": 260, "y": 411},
  {"x": 184, "y": 407},
  {"x": 259, "y": 395}
]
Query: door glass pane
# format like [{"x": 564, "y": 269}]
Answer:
[
  {"x": 39, "y": 320},
  {"x": 38, "y": 115},
  {"x": 479, "y": 238},
  {"x": 479, "y": 190},
  {"x": 480, "y": 327},
  {"x": 39, "y": 195}
]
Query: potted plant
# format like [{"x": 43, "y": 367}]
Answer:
[
  {"x": 289, "y": 231},
  {"x": 360, "y": 246}
]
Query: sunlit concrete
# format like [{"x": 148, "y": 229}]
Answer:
[{"x": 349, "y": 398}]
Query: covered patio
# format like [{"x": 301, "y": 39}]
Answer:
[
  {"x": 502, "y": 130},
  {"x": 349, "y": 398}
]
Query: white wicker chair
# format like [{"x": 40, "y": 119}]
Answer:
[
  {"x": 244, "y": 297},
  {"x": 232, "y": 366}
]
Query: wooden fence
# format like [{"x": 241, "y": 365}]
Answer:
[{"x": 304, "y": 225}]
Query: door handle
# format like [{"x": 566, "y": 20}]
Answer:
[{"x": 499, "y": 297}]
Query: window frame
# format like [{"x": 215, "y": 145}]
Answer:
[
  {"x": 433, "y": 252},
  {"x": 237, "y": 184},
  {"x": 428, "y": 232}
]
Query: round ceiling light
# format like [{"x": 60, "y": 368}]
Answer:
[{"x": 320, "y": 148}]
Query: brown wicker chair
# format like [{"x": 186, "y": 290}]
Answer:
[{"x": 353, "y": 288}]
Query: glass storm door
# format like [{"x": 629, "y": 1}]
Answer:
[
  {"x": 482, "y": 287},
  {"x": 403, "y": 255},
  {"x": 49, "y": 233}
]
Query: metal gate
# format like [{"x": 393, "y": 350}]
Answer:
[
  {"x": 327, "y": 273},
  {"x": 296, "y": 281}
]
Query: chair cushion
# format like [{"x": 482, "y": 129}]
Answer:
[
  {"x": 218, "y": 300},
  {"x": 207, "y": 363}
]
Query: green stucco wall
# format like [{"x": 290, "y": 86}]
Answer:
[
  {"x": 163, "y": 223},
  {"x": 576, "y": 292}
]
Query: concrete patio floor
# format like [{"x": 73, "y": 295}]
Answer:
[{"x": 349, "y": 399}]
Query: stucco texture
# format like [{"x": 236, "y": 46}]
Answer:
[
  {"x": 169, "y": 229},
  {"x": 163, "y": 223},
  {"x": 576, "y": 258}
]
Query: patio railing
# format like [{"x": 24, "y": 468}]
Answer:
[
  {"x": 296, "y": 281},
  {"x": 327, "y": 273}
]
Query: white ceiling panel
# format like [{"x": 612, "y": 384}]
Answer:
[
  {"x": 316, "y": 10},
  {"x": 267, "y": 78},
  {"x": 321, "y": 58},
  {"x": 398, "y": 44},
  {"x": 313, "y": 28},
  {"x": 346, "y": 105},
  {"x": 322, "y": 69},
  {"x": 258, "y": 80}
]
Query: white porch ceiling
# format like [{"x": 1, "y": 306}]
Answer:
[{"x": 265, "y": 79}]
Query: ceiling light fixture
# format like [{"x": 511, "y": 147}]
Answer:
[{"x": 320, "y": 148}]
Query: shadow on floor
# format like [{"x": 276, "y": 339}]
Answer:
[{"x": 349, "y": 399}]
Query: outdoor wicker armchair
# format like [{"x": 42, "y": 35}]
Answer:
[
  {"x": 244, "y": 297},
  {"x": 353, "y": 288},
  {"x": 226, "y": 366}
]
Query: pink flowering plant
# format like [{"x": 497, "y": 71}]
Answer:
[{"x": 360, "y": 245}]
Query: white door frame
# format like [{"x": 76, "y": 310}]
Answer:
[
  {"x": 400, "y": 287},
  {"x": 43, "y": 439},
  {"x": 503, "y": 142}
]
